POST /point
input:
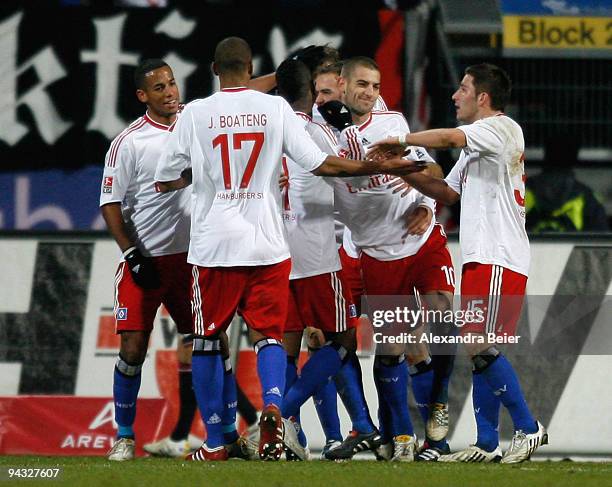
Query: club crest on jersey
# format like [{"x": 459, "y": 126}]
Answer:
[
  {"x": 107, "y": 186},
  {"x": 352, "y": 311},
  {"x": 122, "y": 314}
]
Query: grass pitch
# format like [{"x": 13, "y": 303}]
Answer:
[{"x": 94, "y": 471}]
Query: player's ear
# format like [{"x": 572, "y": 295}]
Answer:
[
  {"x": 341, "y": 83},
  {"x": 213, "y": 68},
  {"x": 483, "y": 98},
  {"x": 142, "y": 96},
  {"x": 250, "y": 68}
]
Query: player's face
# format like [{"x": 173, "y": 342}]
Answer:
[
  {"x": 362, "y": 89},
  {"x": 160, "y": 93},
  {"x": 465, "y": 99},
  {"x": 327, "y": 88}
]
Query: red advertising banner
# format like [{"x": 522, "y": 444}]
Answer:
[{"x": 69, "y": 425}]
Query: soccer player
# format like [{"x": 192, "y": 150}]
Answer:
[
  {"x": 489, "y": 180},
  {"x": 319, "y": 294},
  {"x": 231, "y": 144},
  {"x": 396, "y": 257},
  {"x": 152, "y": 231}
]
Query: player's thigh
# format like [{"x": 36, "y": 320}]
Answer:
[
  {"x": 215, "y": 296},
  {"x": 264, "y": 302},
  {"x": 175, "y": 274},
  {"x": 491, "y": 298},
  {"x": 433, "y": 275},
  {"x": 325, "y": 302},
  {"x": 389, "y": 278},
  {"x": 351, "y": 270},
  {"x": 135, "y": 308},
  {"x": 295, "y": 319}
]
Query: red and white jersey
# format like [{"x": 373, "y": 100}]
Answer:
[
  {"x": 157, "y": 223},
  {"x": 376, "y": 217},
  {"x": 308, "y": 210},
  {"x": 490, "y": 177},
  {"x": 234, "y": 141}
]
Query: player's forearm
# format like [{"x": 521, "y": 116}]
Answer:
[
  {"x": 435, "y": 188},
  {"x": 263, "y": 83},
  {"x": 111, "y": 213},
  {"x": 167, "y": 186},
  {"x": 437, "y": 138},
  {"x": 339, "y": 167}
]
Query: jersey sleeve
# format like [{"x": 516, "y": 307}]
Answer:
[
  {"x": 453, "y": 178},
  {"x": 416, "y": 153},
  {"x": 297, "y": 144},
  {"x": 323, "y": 137},
  {"x": 482, "y": 137},
  {"x": 176, "y": 156},
  {"x": 119, "y": 167}
]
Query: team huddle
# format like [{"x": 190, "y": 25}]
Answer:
[{"x": 228, "y": 205}]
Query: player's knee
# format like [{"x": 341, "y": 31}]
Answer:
[
  {"x": 207, "y": 345},
  {"x": 388, "y": 360},
  {"x": 134, "y": 346},
  {"x": 347, "y": 339},
  {"x": 261, "y": 344},
  {"x": 127, "y": 367},
  {"x": 484, "y": 359}
]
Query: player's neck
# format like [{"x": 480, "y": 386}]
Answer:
[
  {"x": 163, "y": 120},
  {"x": 236, "y": 81},
  {"x": 487, "y": 112},
  {"x": 360, "y": 119}
]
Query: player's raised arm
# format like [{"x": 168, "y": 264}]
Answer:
[
  {"x": 339, "y": 167},
  {"x": 431, "y": 139}
]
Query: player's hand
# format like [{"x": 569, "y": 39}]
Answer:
[
  {"x": 399, "y": 167},
  {"x": 315, "y": 338},
  {"x": 283, "y": 182},
  {"x": 399, "y": 186},
  {"x": 142, "y": 268},
  {"x": 418, "y": 221},
  {"x": 386, "y": 148},
  {"x": 336, "y": 114}
]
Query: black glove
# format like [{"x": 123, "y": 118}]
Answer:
[
  {"x": 142, "y": 268},
  {"x": 336, "y": 114}
]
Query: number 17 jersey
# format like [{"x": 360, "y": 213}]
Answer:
[{"x": 234, "y": 141}]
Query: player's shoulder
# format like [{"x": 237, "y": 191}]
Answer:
[
  {"x": 321, "y": 130},
  {"x": 501, "y": 124},
  {"x": 125, "y": 138},
  {"x": 386, "y": 113}
]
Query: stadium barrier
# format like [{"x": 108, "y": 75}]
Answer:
[{"x": 58, "y": 348}]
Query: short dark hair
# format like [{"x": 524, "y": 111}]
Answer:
[
  {"x": 492, "y": 80},
  {"x": 316, "y": 56},
  {"x": 146, "y": 66},
  {"x": 232, "y": 55},
  {"x": 293, "y": 80},
  {"x": 358, "y": 61},
  {"x": 335, "y": 68}
]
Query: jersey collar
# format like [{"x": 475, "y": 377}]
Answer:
[
  {"x": 155, "y": 124},
  {"x": 234, "y": 89}
]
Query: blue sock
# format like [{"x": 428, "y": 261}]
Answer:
[
  {"x": 385, "y": 426},
  {"x": 486, "y": 411},
  {"x": 421, "y": 378},
  {"x": 230, "y": 402},
  {"x": 502, "y": 380},
  {"x": 271, "y": 365},
  {"x": 326, "y": 403},
  {"x": 291, "y": 373},
  {"x": 207, "y": 376},
  {"x": 126, "y": 384},
  {"x": 393, "y": 381},
  {"x": 320, "y": 367},
  {"x": 350, "y": 389}
]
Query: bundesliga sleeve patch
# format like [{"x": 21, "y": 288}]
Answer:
[
  {"x": 107, "y": 186},
  {"x": 352, "y": 311},
  {"x": 121, "y": 314}
]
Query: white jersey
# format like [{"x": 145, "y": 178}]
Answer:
[
  {"x": 157, "y": 223},
  {"x": 349, "y": 246},
  {"x": 376, "y": 217},
  {"x": 308, "y": 211},
  {"x": 490, "y": 177},
  {"x": 234, "y": 141}
]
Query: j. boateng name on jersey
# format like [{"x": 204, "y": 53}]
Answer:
[{"x": 238, "y": 120}]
